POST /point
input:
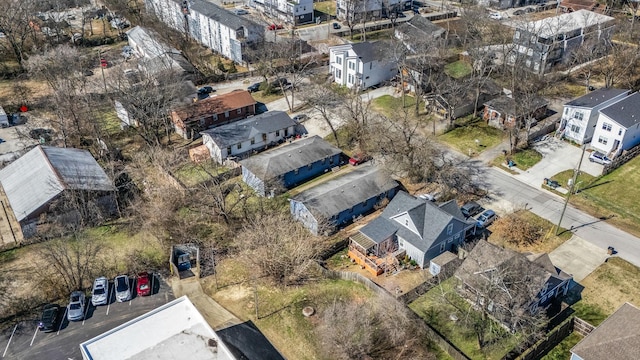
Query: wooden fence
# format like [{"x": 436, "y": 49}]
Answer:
[
  {"x": 432, "y": 333},
  {"x": 621, "y": 160},
  {"x": 552, "y": 338}
]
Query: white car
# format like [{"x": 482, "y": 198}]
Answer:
[
  {"x": 495, "y": 16},
  {"x": 75, "y": 309},
  {"x": 100, "y": 291},
  {"x": 123, "y": 292}
]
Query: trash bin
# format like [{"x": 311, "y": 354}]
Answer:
[{"x": 610, "y": 250}]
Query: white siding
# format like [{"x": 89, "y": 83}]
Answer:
[{"x": 414, "y": 253}]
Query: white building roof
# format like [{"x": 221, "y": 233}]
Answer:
[
  {"x": 565, "y": 23},
  {"x": 175, "y": 330},
  {"x": 148, "y": 45},
  {"x": 44, "y": 172}
]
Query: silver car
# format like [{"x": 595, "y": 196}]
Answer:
[
  {"x": 75, "y": 309},
  {"x": 123, "y": 292},
  {"x": 100, "y": 291}
]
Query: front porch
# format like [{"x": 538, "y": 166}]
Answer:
[{"x": 373, "y": 257}]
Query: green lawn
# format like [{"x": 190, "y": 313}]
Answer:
[
  {"x": 435, "y": 310},
  {"x": 192, "y": 174},
  {"x": 562, "y": 351},
  {"x": 613, "y": 194},
  {"x": 372, "y": 35},
  {"x": 391, "y": 106},
  {"x": 464, "y": 138},
  {"x": 327, "y": 7},
  {"x": 260, "y": 96},
  {"x": 458, "y": 69},
  {"x": 524, "y": 159}
]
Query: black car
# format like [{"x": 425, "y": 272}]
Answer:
[
  {"x": 206, "y": 90},
  {"x": 470, "y": 209},
  {"x": 518, "y": 12},
  {"x": 401, "y": 15},
  {"x": 49, "y": 318},
  {"x": 41, "y": 134},
  {"x": 254, "y": 88},
  {"x": 336, "y": 26}
]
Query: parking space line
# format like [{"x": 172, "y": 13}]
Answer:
[
  {"x": 109, "y": 300},
  {"x": 64, "y": 315},
  {"x": 34, "y": 336},
  {"x": 11, "y": 337}
]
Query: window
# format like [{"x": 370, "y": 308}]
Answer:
[
  {"x": 331, "y": 160},
  {"x": 226, "y": 114},
  {"x": 264, "y": 137},
  {"x": 310, "y": 166},
  {"x": 529, "y": 52},
  {"x": 215, "y": 116},
  {"x": 239, "y": 146},
  {"x": 575, "y": 128},
  {"x": 566, "y": 111},
  {"x": 619, "y": 131},
  {"x": 606, "y": 126},
  {"x": 449, "y": 229},
  {"x": 365, "y": 203},
  {"x": 277, "y": 132},
  {"x": 253, "y": 141},
  {"x": 456, "y": 236},
  {"x": 352, "y": 65},
  {"x": 442, "y": 244},
  {"x": 536, "y": 66},
  {"x": 228, "y": 150},
  {"x": 578, "y": 115},
  {"x": 603, "y": 140},
  {"x": 449, "y": 240},
  {"x": 339, "y": 74},
  {"x": 370, "y": 65},
  {"x": 338, "y": 61},
  {"x": 239, "y": 111},
  {"x": 350, "y": 79},
  {"x": 295, "y": 172}
]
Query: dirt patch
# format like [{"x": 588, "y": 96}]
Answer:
[{"x": 234, "y": 293}]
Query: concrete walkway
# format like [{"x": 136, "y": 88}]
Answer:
[
  {"x": 217, "y": 316},
  {"x": 578, "y": 257}
]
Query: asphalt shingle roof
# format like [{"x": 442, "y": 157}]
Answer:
[
  {"x": 279, "y": 161},
  {"x": 44, "y": 172},
  {"x": 625, "y": 112},
  {"x": 344, "y": 192},
  {"x": 216, "y": 104},
  {"x": 596, "y": 97},
  {"x": 420, "y": 26},
  {"x": 508, "y": 105},
  {"x": 371, "y": 51},
  {"x": 221, "y": 15},
  {"x": 617, "y": 338},
  {"x": 233, "y": 133}
]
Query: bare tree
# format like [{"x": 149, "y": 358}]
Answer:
[
  {"x": 15, "y": 23},
  {"x": 325, "y": 100}
]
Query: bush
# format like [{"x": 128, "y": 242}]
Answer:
[{"x": 517, "y": 230}]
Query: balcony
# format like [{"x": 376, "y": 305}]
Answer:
[{"x": 366, "y": 257}]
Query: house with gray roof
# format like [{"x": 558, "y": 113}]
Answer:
[
  {"x": 416, "y": 33},
  {"x": 341, "y": 199},
  {"x": 617, "y": 338},
  {"x": 213, "y": 26},
  {"x": 38, "y": 178},
  {"x": 579, "y": 116},
  {"x": 287, "y": 166},
  {"x": 155, "y": 56},
  {"x": 505, "y": 282},
  {"x": 507, "y": 111},
  {"x": 421, "y": 228},
  {"x": 362, "y": 65},
  {"x": 618, "y": 126},
  {"x": 248, "y": 135}
]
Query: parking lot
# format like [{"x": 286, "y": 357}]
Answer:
[{"x": 25, "y": 341}]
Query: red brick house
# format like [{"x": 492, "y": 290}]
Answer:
[{"x": 211, "y": 112}]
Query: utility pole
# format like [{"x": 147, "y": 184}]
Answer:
[{"x": 573, "y": 183}]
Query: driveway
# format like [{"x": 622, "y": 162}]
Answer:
[{"x": 578, "y": 257}]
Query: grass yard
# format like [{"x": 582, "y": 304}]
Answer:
[
  {"x": 458, "y": 69},
  {"x": 524, "y": 159},
  {"x": 546, "y": 243},
  {"x": 391, "y": 106},
  {"x": 327, "y": 7},
  {"x": 464, "y": 138},
  {"x": 192, "y": 174},
  {"x": 607, "y": 288},
  {"x": 433, "y": 308},
  {"x": 562, "y": 351},
  {"x": 260, "y": 96},
  {"x": 613, "y": 194},
  {"x": 372, "y": 35}
]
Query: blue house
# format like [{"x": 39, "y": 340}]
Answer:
[
  {"x": 285, "y": 167},
  {"x": 421, "y": 228},
  {"x": 340, "y": 200}
]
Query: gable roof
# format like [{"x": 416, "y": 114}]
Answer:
[
  {"x": 486, "y": 257},
  {"x": 370, "y": 51},
  {"x": 421, "y": 26},
  {"x": 344, "y": 192},
  {"x": 625, "y": 112},
  {"x": 236, "y": 132},
  {"x": 217, "y": 104},
  {"x": 565, "y": 23},
  {"x": 221, "y": 15},
  {"x": 617, "y": 338},
  {"x": 44, "y": 172},
  {"x": 596, "y": 97},
  {"x": 429, "y": 219},
  {"x": 277, "y": 162},
  {"x": 147, "y": 40},
  {"x": 508, "y": 105}
]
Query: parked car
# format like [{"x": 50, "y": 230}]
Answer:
[
  {"x": 275, "y": 27},
  {"x": 336, "y": 26},
  {"x": 428, "y": 197},
  {"x": 41, "y": 134},
  {"x": 531, "y": 9},
  {"x": 49, "y": 318},
  {"x": 241, "y": 12},
  {"x": 358, "y": 159},
  {"x": 600, "y": 158},
  {"x": 470, "y": 209},
  {"x": 100, "y": 291},
  {"x": 206, "y": 90},
  {"x": 282, "y": 82},
  {"x": 143, "y": 284},
  {"x": 121, "y": 283},
  {"x": 401, "y": 14},
  {"x": 495, "y": 16},
  {"x": 518, "y": 12},
  {"x": 486, "y": 218},
  {"x": 75, "y": 309},
  {"x": 254, "y": 87},
  {"x": 300, "y": 118}
]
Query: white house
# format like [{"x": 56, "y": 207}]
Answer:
[
  {"x": 361, "y": 65},
  {"x": 580, "y": 115},
  {"x": 291, "y": 11},
  {"x": 618, "y": 126},
  {"x": 369, "y": 9},
  {"x": 246, "y": 135},
  {"x": 211, "y": 25}
]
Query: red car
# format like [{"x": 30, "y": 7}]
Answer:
[
  {"x": 275, "y": 27},
  {"x": 144, "y": 285},
  {"x": 358, "y": 159}
]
